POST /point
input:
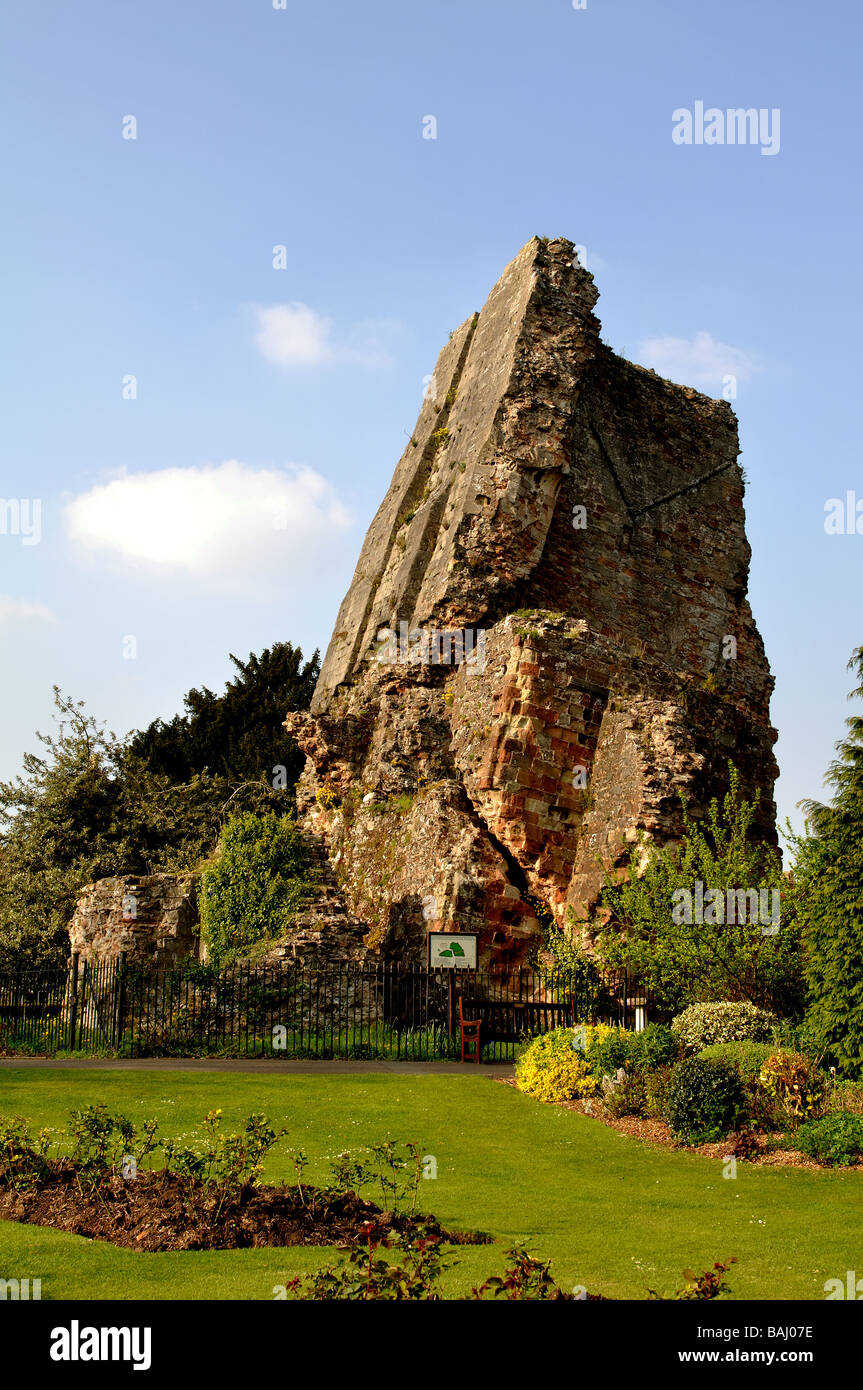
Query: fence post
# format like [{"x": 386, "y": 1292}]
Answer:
[
  {"x": 120, "y": 1000},
  {"x": 73, "y": 1008}
]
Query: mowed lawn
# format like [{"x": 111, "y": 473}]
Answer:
[{"x": 611, "y": 1213}]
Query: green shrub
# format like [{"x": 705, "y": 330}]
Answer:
[
  {"x": 846, "y": 1095},
  {"x": 747, "y": 1057},
  {"x": 254, "y": 886},
  {"x": 705, "y": 1100},
  {"x": 609, "y": 1049},
  {"x": 833, "y": 1139},
  {"x": 681, "y": 955},
  {"x": 551, "y": 1069},
  {"x": 701, "y": 1025},
  {"x": 655, "y": 1046},
  {"x": 638, "y": 1053},
  {"x": 656, "y": 1084},
  {"x": 627, "y": 1097}
]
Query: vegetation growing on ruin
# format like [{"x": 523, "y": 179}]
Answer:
[{"x": 258, "y": 880}]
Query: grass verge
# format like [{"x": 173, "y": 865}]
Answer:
[{"x": 612, "y": 1213}]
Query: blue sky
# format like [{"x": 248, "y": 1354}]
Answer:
[{"x": 290, "y": 392}]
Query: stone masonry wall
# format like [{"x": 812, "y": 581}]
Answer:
[
  {"x": 154, "y": 919},
  {"x": 587, "y": 518}
]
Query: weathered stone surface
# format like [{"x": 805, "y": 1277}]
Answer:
[
  {"x": 153, "y": 919},
  {"x": 382, "y": 555},
  {"x": 325, "y": 935},
  {"x": 587, "y": 516}
]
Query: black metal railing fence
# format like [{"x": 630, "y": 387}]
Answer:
[{"x": 350, "y": 1010}]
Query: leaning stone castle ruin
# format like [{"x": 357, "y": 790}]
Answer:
[
  {"x": 547, "y": 638},
  {"x": 546, "y": 642}
]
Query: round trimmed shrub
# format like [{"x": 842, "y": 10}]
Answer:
[
  {"x": 551, "y": 1069},
  {"x": 702, "y": 1025},
  {"x": 762, "y": 1109},
  {"x": 705, "y": 1099},
  {"x": 747, "y": 1057},
  {"x": 833, "y": 1139}
]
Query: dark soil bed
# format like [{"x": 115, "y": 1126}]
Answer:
[{"x": 158, "y": 1212}]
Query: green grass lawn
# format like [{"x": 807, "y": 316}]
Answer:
[{"x": 614, "y": 1214}]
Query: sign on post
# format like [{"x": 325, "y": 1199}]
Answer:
[{"x": 453, "y": 950}]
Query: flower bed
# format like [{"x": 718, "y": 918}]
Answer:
[
  {"x": 738, "y": 1096},
  {"x": 207, "y": 1195}
]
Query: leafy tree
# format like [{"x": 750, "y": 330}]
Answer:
[
  {"x": 257, "y": 881},
  {"x": 239, "y": 734},
  {"x": 82, "y": 810},
  {"x": 91, "y": 805},
  {"x": 642, "y": 923},
  {"x": 58, "y": 830},
  {"x": 829, "y": 883}
]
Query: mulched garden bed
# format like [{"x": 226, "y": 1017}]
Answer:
[
  {"x": 658, "y": 1132},
  {"x": 155, "y": 1211}
]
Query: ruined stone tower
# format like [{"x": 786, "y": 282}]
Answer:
[{"x": 547, "y": 637}]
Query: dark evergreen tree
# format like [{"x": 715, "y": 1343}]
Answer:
[
  {"x": 829, "y": 888},
  {"x": 239, "y": 734}
]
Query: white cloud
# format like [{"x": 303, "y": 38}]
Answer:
[
  {"x": 596, "y": 263},
  {"x": 701, "y": 361},
  {"x": 295, "y": 335},
  {"x": 14, "y": 610},
  {"x": 228, "y": 525}
]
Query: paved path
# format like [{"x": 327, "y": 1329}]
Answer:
[{"x": 270, "y": 1066}]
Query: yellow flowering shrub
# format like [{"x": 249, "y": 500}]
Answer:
[{"x": 552, "y": 1069}]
